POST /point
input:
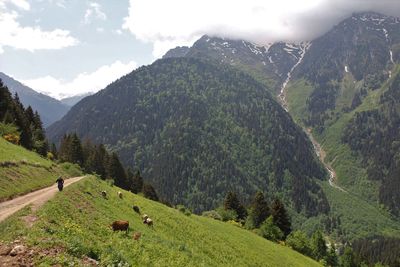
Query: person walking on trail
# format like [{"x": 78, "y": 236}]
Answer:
[{"x": 60, "y": 183}]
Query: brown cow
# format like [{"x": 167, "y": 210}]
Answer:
[{"x": 120, "y": 226}]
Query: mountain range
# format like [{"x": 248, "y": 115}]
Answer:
[{"x": 205, "y": 119}]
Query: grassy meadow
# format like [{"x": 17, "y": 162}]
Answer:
[
  {"x": 23, "y": 171},
  {"x": 76, "y": 221}
]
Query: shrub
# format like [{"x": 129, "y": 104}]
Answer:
[
  {"x": 227, "y": 215},
  {"x": 270, "y": 231},
  {"x": 50, "y": 156},
  {"x": 10, "y": 132},
  {"x": 298, "y": 241},
  {"x": 212, "y": 214},
  {"x": 71, "y": 169},
  {"x": 184, "y": 210},
  {"x": 235, "y": 223}
]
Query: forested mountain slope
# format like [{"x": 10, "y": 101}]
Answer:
[
  {"x": 50, "y": 109},
  {"x": 346, "y": 91},
  {"x": 268, "y": 64},
  {"x": 197, "y": 130}
]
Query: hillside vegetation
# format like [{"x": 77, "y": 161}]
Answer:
[
  {"x": 76, "y": 223},
  {"x": 197, "y": 130},
  {"x": 23, "y": 171}
]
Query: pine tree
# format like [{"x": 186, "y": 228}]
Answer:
[
  {"x": 76, "y": 152},
  {"x": 88, "y": 156},
  {"x": 39, "y": 143},
  {"x": 100, "y": 160},
  {"x": 137, "y": 184},
  {"x": 232, "y": 202},
  {"x": 65, "y": 146},
  {"x": 259, "y": 209},
  {"x": 149, "y": 192},
  {"x": 5, "y": 101},
  {"x": 318, "y": 246},
  {"x": 116, "y": 171},
  {"x": 22, "y": 123},
  {"x": 280, "y": 217}
]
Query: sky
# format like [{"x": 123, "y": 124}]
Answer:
[{"x": 70, "y": 47}]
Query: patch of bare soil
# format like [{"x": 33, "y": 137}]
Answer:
[{"x": 19, "y": 254}]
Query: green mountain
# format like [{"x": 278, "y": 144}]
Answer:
[
  {"x": 73, "y": 229},
  {"x": 197, "y": 130},
  {"x": 346, "y": 90},
  {"x": 50, "y": 109},
  {"x": 268, "y": 64}
]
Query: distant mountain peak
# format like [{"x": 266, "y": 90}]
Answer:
[{"x": 50, "y": 109}]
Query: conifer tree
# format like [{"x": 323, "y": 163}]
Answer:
[
  {"x": 232, "y": 202},
  {"x": 116, "y": 171},
  {"x": 100, "y": 160},
  {"x": 63, "y": 152},
  {"x": 137, "y": 183},
  {"x": 88, "y": 156},
  {"x": 149, "y": 192},
  {"x": 22, "y": 123},
  {"x": 259, "y": 209},
  {"x": 76, "y": 152},
  {"x": 5, "y": 101},
  {"x": 280, "y": 217}
]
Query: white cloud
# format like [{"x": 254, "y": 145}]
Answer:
[
  {"x": 22, "y": 4},
  {"x": 173, "y": 22},
  {"x": 94, "y": 11},
  {"x": 83, "y": 83},
  {"x": 14, "y": 35}
]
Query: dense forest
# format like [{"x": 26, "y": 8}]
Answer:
[
  {"x": 377, "y": 249},
  {"x": 197, "y": 130},
  {"x": 375, "y": 136},
  {"x": 21, "y": 125},
  {"x": 95, "y": 159}
]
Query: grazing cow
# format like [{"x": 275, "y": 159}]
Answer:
[
  {"x": 136, "y": 209},
  {"x": 120, "y": 226},
  {"x": 104, "y": 194},
  {"x": 137, "y": 235},
  {"x": 149, "y": 222},
  {"x": 120, "y": 194}
]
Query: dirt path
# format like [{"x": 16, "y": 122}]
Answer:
[{"x": 36, "y": 198}]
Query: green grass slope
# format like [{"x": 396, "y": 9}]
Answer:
[
  {"x": 76, "y": 221},
  {"x": 23, "y": 171}
]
